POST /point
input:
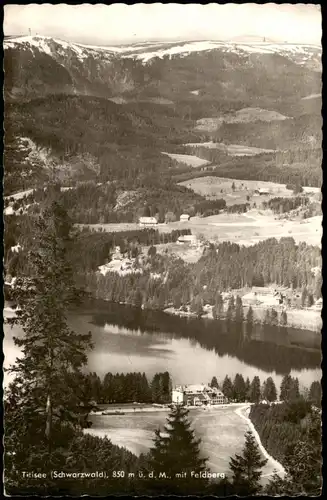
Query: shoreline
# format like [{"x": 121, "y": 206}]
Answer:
[
  {"x": 158, "y": 408},
  {"x": 208, "y": 315}
]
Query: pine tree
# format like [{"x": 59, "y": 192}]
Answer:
[
  {"x": 196, "y": 306},
  {"x": 309, "y": 300},
  {"x": 294, "y": 392},
  {"x": 156, "y": 389},
  {"x": 269, "y": 392},
  {"x": 219, "y": 304},
  {"x": 175, "y": 455},
  {"x": 285, "y": 387},
  {"x": 247, "y": 468},
  {"x": 43, "y": 403},
  {"x": 227, "y": 388},
  {"x": 247, "y": 389},
  {"x": 267, "y": 319},
  {"x": 239, "y": 388},
  {"x": 283, "y": 318},
  {"x": 214, "y": 382},
  {"x": 273, "y": 317},
  {"x": 255, "y": 391},
  {"x": 249, "y": 323},
  {"x": 304, "y": 297},
  {"x": 239, "y": 310},
  {"x": 315, "y": 393},
  {"x": 230, "y": 312}
]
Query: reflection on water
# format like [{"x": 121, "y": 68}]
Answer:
[{"x": 193, "y": 351}]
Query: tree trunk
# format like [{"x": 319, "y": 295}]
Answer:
[{"x": 48, "y": 426}]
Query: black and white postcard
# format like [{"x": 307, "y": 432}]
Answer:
[{"x": 162, "y": 249}]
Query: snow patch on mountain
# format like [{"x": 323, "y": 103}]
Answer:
[
  {"x": 183, "y": 49},
  {"x": 54, "y": 47},
  {"x": 299, "y": 53}
]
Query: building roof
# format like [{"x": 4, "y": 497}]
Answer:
[
  {"x": 148, "y": 220},
  {"x": 196, "y": 388},
  {"x": 187, "y": 237}
]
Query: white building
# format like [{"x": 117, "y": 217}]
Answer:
[
  {"x": 184, "y": 218},
  {"x": 198, "y": 395},
  {"x": 187, "y": 238},
  {"x": 178, "y": 395},
  {"x": 148, "y": 221}
]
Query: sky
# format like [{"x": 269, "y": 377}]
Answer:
[{"x": 121, "y": 23}]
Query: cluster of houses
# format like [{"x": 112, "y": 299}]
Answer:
[
  {"x": 119, "y": 264},
  {"x": 152, "y": 221},
  {"x": 197, "y": 395}
]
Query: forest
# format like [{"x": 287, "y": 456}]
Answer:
[
  {"x": 93, "y": 248},
  {"x": 282, "y": 205},
  {"x": 89, "y": 202},
  {"x": 304, "y": 169},
  {"x": 281, "y": 426},
  {"x": 223, "y": 267},
  {"x": 137, "y": 387},
  {"x": 56, "y": 125},
  {"x": 129, "y": 388}
]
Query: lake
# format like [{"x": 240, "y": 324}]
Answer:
[{"x": 127, "y": 339}]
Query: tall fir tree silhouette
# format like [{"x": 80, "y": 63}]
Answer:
[
  {"x": 44, "y": 406},
  {"x": 247, "y": 468},
  {"x": 175, "y": 459}
]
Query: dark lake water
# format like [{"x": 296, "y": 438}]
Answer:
[{"x": 127, "y": 339}]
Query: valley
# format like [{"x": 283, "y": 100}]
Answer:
[
  {"x": 237, "y": 152},
  {"x": 162, "y": 250}
]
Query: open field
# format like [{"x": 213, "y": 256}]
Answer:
[
  {"x": 221, "y": 187},
  {"x": 221, "y": 430},
  {"x": 231, "y": 149},
  {"x": 252, "y": 227},
  {"x": 190, "y": 160},
  {"x": 244, "y": 229},
  {"x": 248, "y": 115},
  {"x": 245, "y": 115},
  {"x": 125, "y": 226}
]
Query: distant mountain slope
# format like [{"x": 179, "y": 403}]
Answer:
[
  {"x": 41, "y": 65},
  {"x": 58, "y": 99}
]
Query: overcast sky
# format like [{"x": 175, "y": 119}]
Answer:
[{"x": 120, "y": 23}]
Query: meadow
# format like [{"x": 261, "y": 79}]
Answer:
[{"x": 221, "y": 430}]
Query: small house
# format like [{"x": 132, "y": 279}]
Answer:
[
  {"x": 184, "y": 218},
  {"x": 187, "y": 239},
  {"x": 148, "y": 221}
]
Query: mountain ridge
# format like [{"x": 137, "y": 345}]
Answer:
[
  {"x": 43, "y": 65},
  {"x": 57, "y": 95}
]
